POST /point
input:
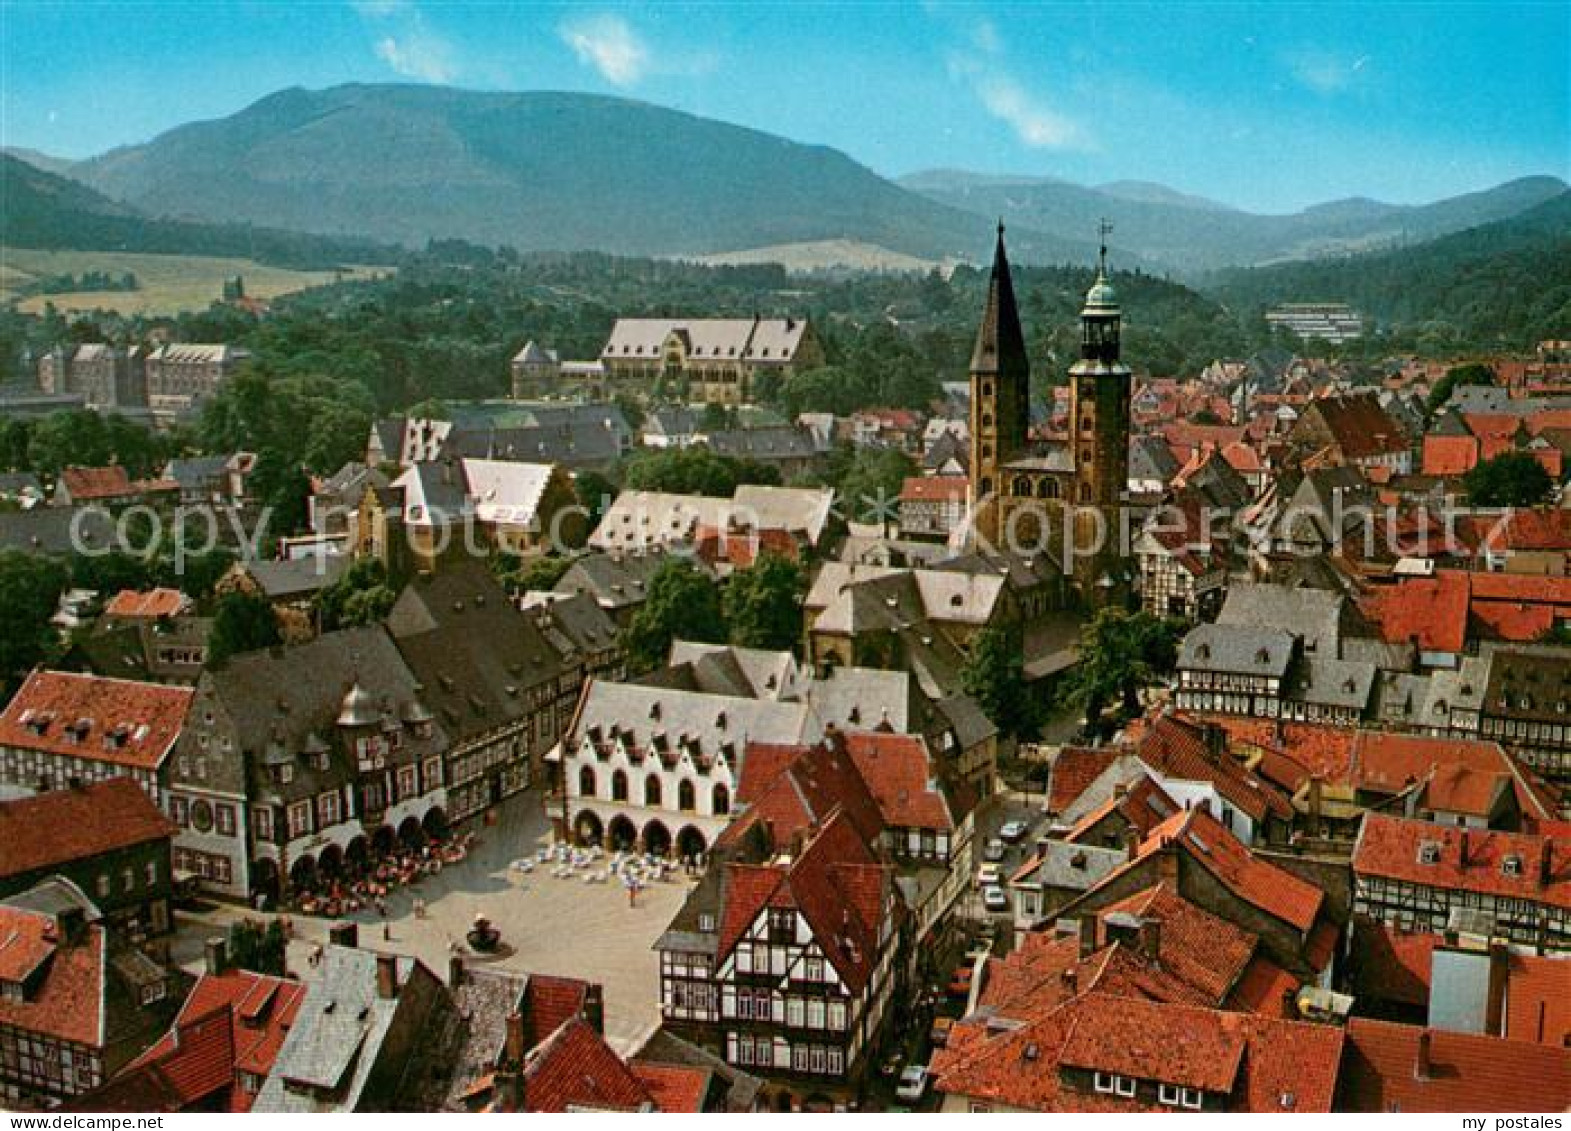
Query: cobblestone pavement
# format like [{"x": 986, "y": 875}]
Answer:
[{"x": 548, "y": 925}]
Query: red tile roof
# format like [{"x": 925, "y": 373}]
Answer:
[
  {"x": 1526, "y": 528},
  {"x": 1463, "y": 775},
  {"x": 899, "y": 773},
  {"x": 1389, "y": 963},
  {"x": 834, "y": 882},
  {"x": 128, "y": 723},
  {"x": 1174, "y": 746},
  {"x": 256, "y": 1011},
  {"x": 88, "y": 483},
  {"x": 1144, "y": 805},
  {"x": 1359, "y": 426},
  {"x": 934, "y": 489},
  {"x": 1468, "y": 859},
  {"x": 1381, "y": 1071},
  {"x": 1199, "y": 948},
  {"x": 1265, "y": 988},
  {"x": 57, "y": 827},
  {"x": 1072, "y": 771},
  {"x": 1262, "y": 1064},
  {"x": 576, "y": 1069},
  {"x": 742, "y": 549},
  {"x": 130, "y": 604},
  {"x": 549, "y": 1002},
  {"x": 1323, "y": 750},
  {"x": 674, "y": 1087},
  {"x": 1428, "y": 611},
  {"x": 1206, "y": 841},
  {"x": 1538, "y": 999},
  {"x": 791, "y": 789},
  {"x": 1140, "y": 1039},
  {"x": 1449, "y": 455},
  {"x": 69, "y": 1000}
]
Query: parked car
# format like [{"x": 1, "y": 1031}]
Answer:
[
  {"x": 988, "y": 875},
  {"x": 913, "y": 1083},
  {"x": 993, "y": 850},
  {"x": 1013, "y": 832},
  {"x": 939, "y": 1033},
  {"x": 995, "y": 899}
]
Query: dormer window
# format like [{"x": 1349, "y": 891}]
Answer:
[
  {"x": 1511, "y": 865},
  {"x": 1429, "y": 852}
]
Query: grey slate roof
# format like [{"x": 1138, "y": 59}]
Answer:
[
  {"x": 1330, "y": 682},
  {"x": 298, "y": 578},
  {"x": 48, "y": 530},
  {"x": 473, "y": 653},
  {"x": 337, "y": 1039},
  {"x": 1237, "y": 649},
  {"x": 763, "y": 444},
  {"x": 1313, "y": 614},
  {"x": 283, "y": 698}
]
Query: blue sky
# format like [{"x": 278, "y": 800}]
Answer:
[{"x": 1266, "y": 106}]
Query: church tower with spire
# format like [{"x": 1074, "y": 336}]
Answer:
[
  {"x": 1000, "y": 396},
  {"x": 1099, "y": 386}
]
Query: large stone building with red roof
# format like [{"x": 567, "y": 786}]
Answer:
[
  {"x": 77, "y": 1003},
  {"x": 63, "y": 728},
  {"x": 108, "y": 839},
  {"x": 1416, "y": 874}
]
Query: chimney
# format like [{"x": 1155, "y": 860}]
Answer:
[
  {"x": 1546, "y": 863},
  {"x": 71, "y": 922},
  {"x": 1499, "y": 973},
  {"x": 1167, "y": 864},
  {"x": 594, "y": 1007},
  {"x": 1216, "y": 741},
  {"x": 344, "y": 934},
  {"x": 510, "y": 1072},
  {"x": 217, "y": 956},
  {"x": 1087, "y": 935},
  {"x": 1316, "y": 799},
  {"x": 1131, "y": 842},
  {"x": 387, "y": 976},
  {"x": 513, "y": 1049},
  {"x": 1462, "y": 849},
  {"x": 455, "y": 970},
  {"x": 1071, "y": 979},
  {"x": 1421, "y": 1061},
  {"x": 1151, "y": 938}
]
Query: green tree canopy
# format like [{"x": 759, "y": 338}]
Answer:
[
  {"x": 242, "y": 622},
  {"x": 30, "y": 589},
  {"x": 1473, "y": 373},
  {"x": 763, "y": 603},
  {"x": 1510, "y": 479},
  {"x": 681, "y": 604},
  {"x": 994, "y": 675},
  {"x": 1120, "y": 653},
  {"x": 692, "y": 471},
  {"x": 869, "y": 484},
  {"x": 361, "y": 596}
]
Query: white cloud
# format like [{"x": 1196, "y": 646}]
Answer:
[
  {"x": 1035, "y": 123},
  {"x": 608, "y": 44},
  {"x": 406, "y": 43},
  {"x": 1325, "y": 73},
  {"x": 986, "y": 38},
  {"x": 380, "y": 9},
  {"x": 418, "y": 55}
]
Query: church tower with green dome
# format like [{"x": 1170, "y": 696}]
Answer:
[{"x": 1099, "y": 385}]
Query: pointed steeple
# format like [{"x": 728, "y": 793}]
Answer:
[{"x": 1000, "y": 342}]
